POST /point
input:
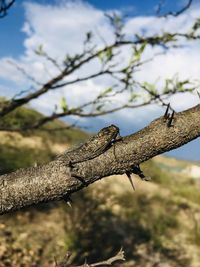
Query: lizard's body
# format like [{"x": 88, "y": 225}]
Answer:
[{"x": 92, "y": 148}]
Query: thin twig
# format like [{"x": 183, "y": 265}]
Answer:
[
  {"x": 118, "y": 257},
  {"x": 77, "y": 62},
  {"x": 24, "y": 72},
  {"x": 4, "y": 6},
  {"x": 174, "y": 13}
]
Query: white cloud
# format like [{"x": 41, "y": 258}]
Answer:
[
  {"x": 61, "y": 29},
  {"x": 74, "y": 94},
  {"x": 8, "y": 71}
]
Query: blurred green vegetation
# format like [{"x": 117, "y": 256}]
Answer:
[
  {"x": 150, "y": 168},
  {"x": 185, "y": 187},
  {"x": 100, "y": 223},
  {"x": 25, "y": 116},
  {"x": 13, "y": 158},
  {"x": 189, "y": 191}
]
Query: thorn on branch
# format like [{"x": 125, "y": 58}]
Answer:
[
  {"x": 170, "y": 119},
  {"x": 198, "y": 94},
  {"x": 166, "y": 115},
  {"x": 128, "y": 174},
  {"x": 68, "y": 200},
  {"x": 136, "y": 170}
]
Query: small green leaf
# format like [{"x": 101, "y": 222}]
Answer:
[
  {"x": 105, "y": 56},
  {"x": 139, "y": 51},
  {"x": 63, "y": 104},
  {"x": 109, "y": 54},
  {"x": 150, "y": 87},
  {"x": 101, "y": 56},
  {"x": 99, "y": 107},
  {"x": 107, "y": 91},
  {"x": 133, "y": 97},
  {"x": 39, "y": 51},
  {"x": 196, "y": 25}
]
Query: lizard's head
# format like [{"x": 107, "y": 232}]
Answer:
[{"x": 111, "y": 131}]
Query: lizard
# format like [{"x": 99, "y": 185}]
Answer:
[{"x": 92, "y": 148}]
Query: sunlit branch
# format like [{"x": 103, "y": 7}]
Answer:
[
  {"x": 118, "y": 257},
  {"x": 4, "y": 6},
  {"x": 100, "y": 73}
]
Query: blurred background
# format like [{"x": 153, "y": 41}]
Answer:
[{"x": 69, "y": 68}]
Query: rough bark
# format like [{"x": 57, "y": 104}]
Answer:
[{"x": 54, "y": 180}]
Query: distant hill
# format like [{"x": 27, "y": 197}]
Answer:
[
  {"x": 23, "y": 149},
  {"x": 179, "y": 167}
]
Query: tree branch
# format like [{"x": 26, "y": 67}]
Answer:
[
  {"x": 174, "y": 13},
  {"x": 55, "y": 180},
  {"x": 77, "y": 63},
  {"x": 4, "y": 6},
  {"x": 154, "y": 98},
  {"x": 118, "y": 257}
]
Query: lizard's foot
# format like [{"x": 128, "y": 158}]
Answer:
[
  {"x": 81, "y": 180},
  {"x": 72, "y": 169}
]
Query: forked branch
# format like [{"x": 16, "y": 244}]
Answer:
[{"x": 118, "y": 257}]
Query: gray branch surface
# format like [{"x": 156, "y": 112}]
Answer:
[
  {"x": 118, "y": 257},
  {"x": 57, "y": 179}
]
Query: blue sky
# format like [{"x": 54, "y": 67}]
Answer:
[{"x": 27, "y": 25}]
